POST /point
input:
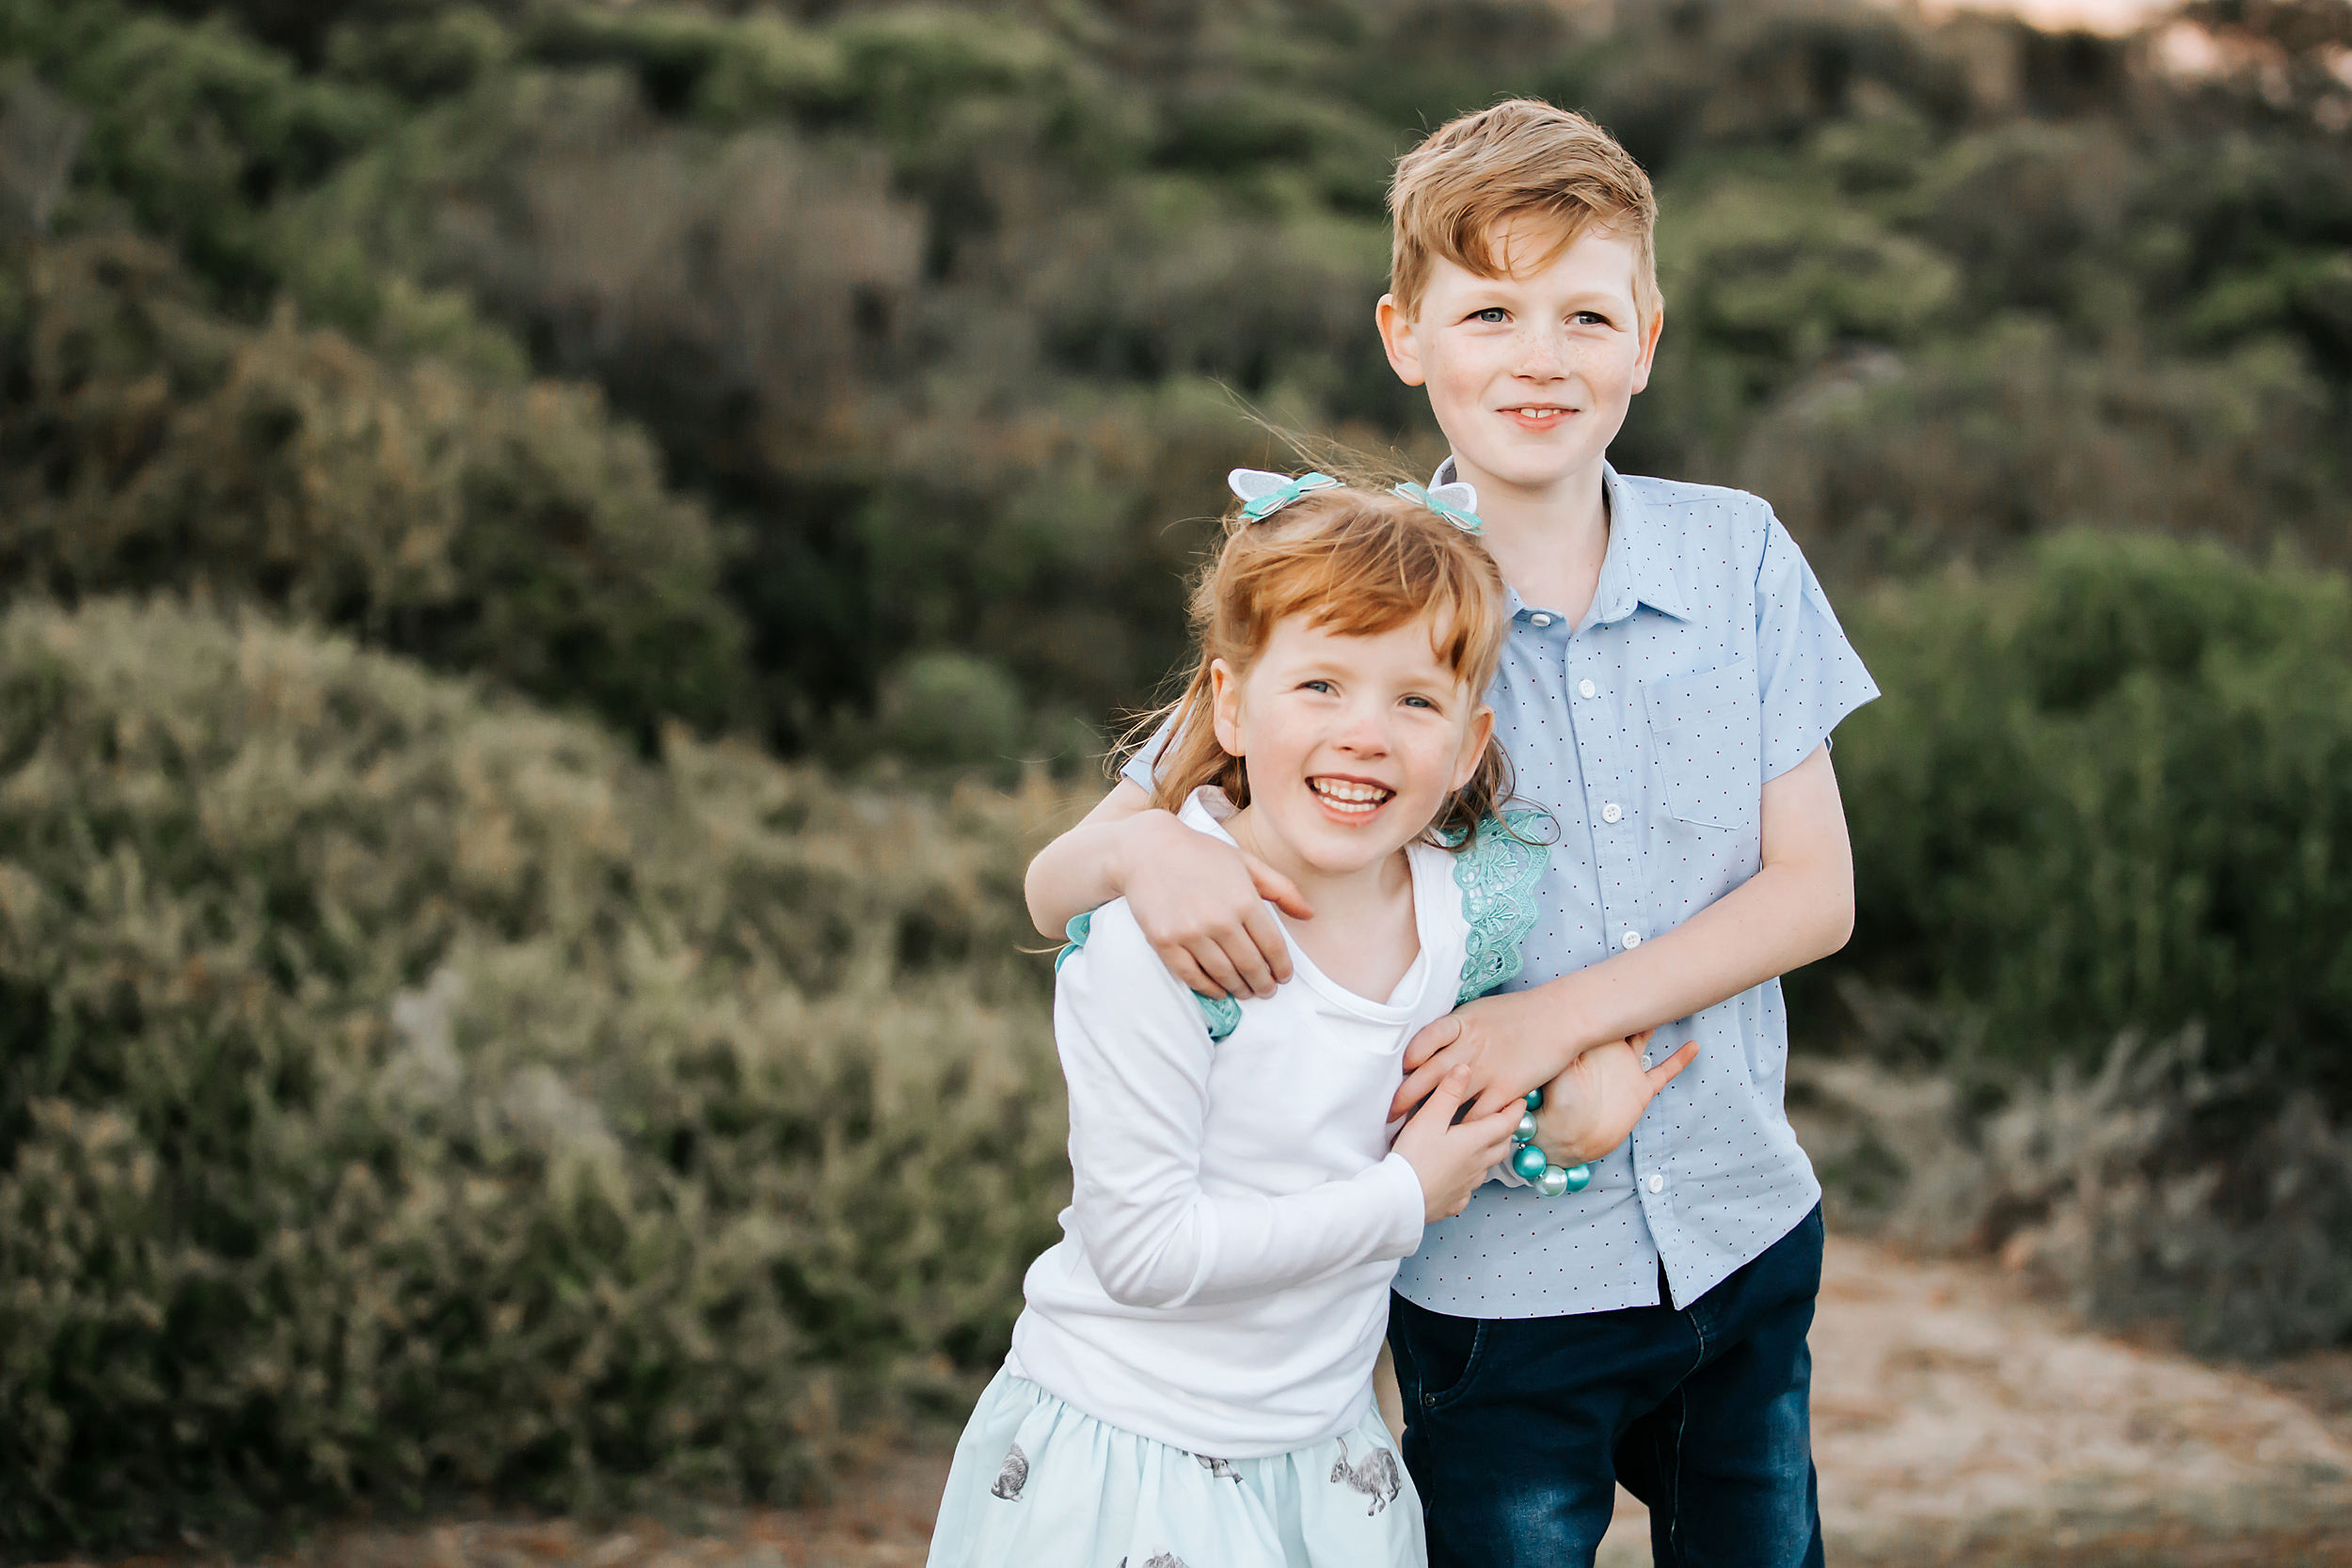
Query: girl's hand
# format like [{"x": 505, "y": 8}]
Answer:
[
  {"x": 1591, "y": 1106},
  {"x": 1203, "y": 906},
  {"x": 1451, "y": 1160}
]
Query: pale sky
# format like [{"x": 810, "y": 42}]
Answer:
[{"x": 2100, "y": 16}]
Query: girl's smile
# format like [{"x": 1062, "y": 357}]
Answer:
[{"x": 1354, "y": 801}]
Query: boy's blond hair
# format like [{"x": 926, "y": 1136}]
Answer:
[{"x": 1523, "y": 158}]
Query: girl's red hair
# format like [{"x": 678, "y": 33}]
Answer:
[{"x": 1359, "y": 562}]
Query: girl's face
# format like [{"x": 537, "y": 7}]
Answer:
[{"x": 1352, "y": 743}]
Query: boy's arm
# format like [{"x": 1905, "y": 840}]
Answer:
[
  {"x": 1201, "y": 901},
  {"x": 1798, "y": 907}
]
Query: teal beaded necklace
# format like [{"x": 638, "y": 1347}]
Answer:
[{"x": 1528, "y": 1161}]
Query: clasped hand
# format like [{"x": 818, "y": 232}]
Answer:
[{"x": 1505, "y": 1045}]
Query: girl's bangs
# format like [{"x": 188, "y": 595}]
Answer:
[{"x": 1365, "y": 584}]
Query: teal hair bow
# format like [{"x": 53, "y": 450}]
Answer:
[
  {"x": 1263, "y": 494},
  {"x": 1457, "y": 503}
]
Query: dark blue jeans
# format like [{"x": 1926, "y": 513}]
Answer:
[{"x": 1517, "y": 1429}]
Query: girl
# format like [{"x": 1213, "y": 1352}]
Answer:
[{"x": 1191, "y": 1381}]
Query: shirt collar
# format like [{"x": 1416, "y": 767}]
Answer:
[{"x": 1638, "y": 569}]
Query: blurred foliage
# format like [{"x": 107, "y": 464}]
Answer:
[
  {"x": 931, "y": 304},
  {"x": 2110, "y": 788},
  {"x": 403, "y": 1091},
  {"x": 146, "y": 442}
]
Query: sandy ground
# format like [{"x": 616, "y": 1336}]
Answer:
[
  {"x": 1956, "y": 1421},
  {"x": 1949, "y": 1407}
]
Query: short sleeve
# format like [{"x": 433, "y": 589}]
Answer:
[
  {"x": 1142, "y": 768},
  {"x": 1811, "y": 675}
]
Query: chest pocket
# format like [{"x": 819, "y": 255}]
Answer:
[{"x": 1706, "y": 733}]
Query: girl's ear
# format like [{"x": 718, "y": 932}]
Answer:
[
  {"x": 1225, "y": 707},
  {"x": 1482, "y": 730}
]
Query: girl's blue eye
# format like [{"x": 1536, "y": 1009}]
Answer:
[{"x": 1315, "y": 685}]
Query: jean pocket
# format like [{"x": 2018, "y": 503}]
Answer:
[
  {"x": 1705, "y": 730},
  {"x": 1443, "y": 1352}
]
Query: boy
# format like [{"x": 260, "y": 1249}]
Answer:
[{"x": 1672, "y": 677}]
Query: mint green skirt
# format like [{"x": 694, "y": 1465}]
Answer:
[{"x": 1037, "y": 1483}]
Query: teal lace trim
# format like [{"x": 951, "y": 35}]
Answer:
[
  {"x": 1498, "y": 875},
  {"x": 1222, "y": 1014}
]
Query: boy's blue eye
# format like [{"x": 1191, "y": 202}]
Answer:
[
  {"x": 1493, "y": 315},
  {"x": 1315, "y": 685},
  {"x": 1421, "y": 701}
]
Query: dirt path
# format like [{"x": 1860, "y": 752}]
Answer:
[
  {"x": 1949, "y": 1407},
  {"x": 1955, "y": 1421}
]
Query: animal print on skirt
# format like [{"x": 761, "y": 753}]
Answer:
[{"x": 1039, "y": 1483}]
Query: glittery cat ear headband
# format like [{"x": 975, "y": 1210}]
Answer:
[{"x": 1261, "y": 495}]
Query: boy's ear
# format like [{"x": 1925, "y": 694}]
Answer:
[
  {"x": 1651, "y": 328},
  {"x": 1396, "y": 337},
  {"x": 1225, "y": 707}
]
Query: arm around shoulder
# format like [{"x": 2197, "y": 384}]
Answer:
[
  {"x": 1082, "y": 869},
  {"x": 1200, "y": 901}
]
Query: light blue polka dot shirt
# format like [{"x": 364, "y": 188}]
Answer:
[{"x": 1708, "y": 662}]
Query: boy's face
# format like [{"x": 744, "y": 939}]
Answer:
[{"x": 1529, "y": 373}]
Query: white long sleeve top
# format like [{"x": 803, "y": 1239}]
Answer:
[{"x": 1222, "y": 1280}]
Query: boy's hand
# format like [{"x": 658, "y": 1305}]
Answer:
[
  {"x": 1510, "y": 1044},
  {"x": 1201, "y": 904},
  {"x": 1451, "y": 1160},
  {"x": 1591, "y": 1106}
]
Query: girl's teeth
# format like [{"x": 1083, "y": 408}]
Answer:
[{"x": 1350, "y": 797}]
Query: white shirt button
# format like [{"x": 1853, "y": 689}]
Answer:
[
  {"x": 1657, "y": 1184},
  {"x": 1612, "y": 812},
  {"x": 1632, "y": 940},
  {"x": 1585, "y": 689},
  {"x": 1539, "y": 619}
]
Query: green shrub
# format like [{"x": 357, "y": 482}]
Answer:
[
  {"x": 403, "y": 1089},
  {"x": 947, "y": 707},
  {"x": 516, "y": 531},
  {"x": 195, "y": 127},
  {"x": 1883, "y": 460},
  {"x": 2111, "y": 789}
]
